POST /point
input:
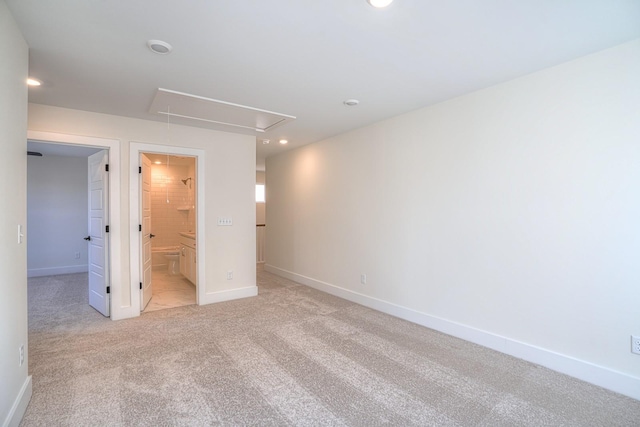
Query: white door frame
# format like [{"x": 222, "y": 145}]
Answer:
[
  {"x": 118, "y": 310},
  {"x": 135, "y": 149}
]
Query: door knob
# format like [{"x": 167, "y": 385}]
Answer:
[{"x": 87, "y": 238}]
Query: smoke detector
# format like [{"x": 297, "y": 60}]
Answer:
[{"x": 159, "y": 47}]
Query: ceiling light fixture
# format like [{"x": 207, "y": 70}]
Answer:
[
  {"x": 33, "y": 82},
  {"x": 283, "y": 141},
  {"x": 159, "y": 47},
  {"x": 351, "y": 102},
  {"x": 379, "y": 3}
]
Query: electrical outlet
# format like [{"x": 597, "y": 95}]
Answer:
[
  {"x": 635, "y": 344},
  {"x": 363, "y": 279},
  {"x": 22, "y": 355},
  {"x": 230, "y": 275}
]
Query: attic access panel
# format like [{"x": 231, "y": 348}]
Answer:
[{"x": 186, "y": 108}]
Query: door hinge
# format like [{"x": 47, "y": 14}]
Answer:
[
  {"x": 139, "y": 169},
  {"x": 140, "y": 285},
  {"x": 106, "y": 167},
  {"x": 108, "y": 289},
  {"x": 107, "y": 229},
  {"x": 139, "y": 227}
]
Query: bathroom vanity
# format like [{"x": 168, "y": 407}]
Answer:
[{"x": 188, "y": 256}]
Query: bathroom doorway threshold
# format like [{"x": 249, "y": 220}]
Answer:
[{"x": 136, "y": 239}]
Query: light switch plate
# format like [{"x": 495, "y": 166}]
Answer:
[{"x": 225, "y": 221}]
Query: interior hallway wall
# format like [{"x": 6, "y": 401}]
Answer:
[
  {"x": 229, "y": 167},
  {"x": 57, "y": 215},
  {"x": 15, "y": 384},
  {"x": 508, "y": 216},
  {"x": 261, "y": 216},
  {"x": 261, "y": 221}
]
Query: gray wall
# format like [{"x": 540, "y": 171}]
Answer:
[{"x": 56, "y": 215}]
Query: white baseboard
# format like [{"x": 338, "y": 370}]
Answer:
[
  {"x": 54, "y": 271},
  {"x": 586, "y": 371},
  {"x": 228, "y": 295},
  {"x": 19, "y": 406}
]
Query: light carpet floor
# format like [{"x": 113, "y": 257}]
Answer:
[{"x": 290, "y": 356}]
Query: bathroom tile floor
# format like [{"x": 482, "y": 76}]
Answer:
[{"x": 170, "y": 291}]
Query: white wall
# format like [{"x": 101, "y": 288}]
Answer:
[
  {"x": 260, "y": 207},
  {"x": 230, "y": 189},
  {"x": 15, "y": 384},
  {"x": 169, "y": 198},
  {"x": 261, "y": 220},
  {"x": 57, "y": 213},
  {"x": 508, "y": 216}
]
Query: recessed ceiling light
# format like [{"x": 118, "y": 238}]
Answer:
[
  {"x": 159, "y": 47},
  {"x": 283, "y": 141},
  {"x": 33, "y": 82},
  {"x": 158, "y": 162},
  {"x": 379, "y": 3},
  {"x": 351, "y": 102}
]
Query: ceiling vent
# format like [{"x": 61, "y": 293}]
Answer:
[{"x": 194, "y": 110}]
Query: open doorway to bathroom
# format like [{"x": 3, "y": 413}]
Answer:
[{"x": 168, "y": 231}]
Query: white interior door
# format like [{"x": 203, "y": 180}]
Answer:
[
  {"x": 146, "y": 288},
  {"x": 98, "y": 241}
]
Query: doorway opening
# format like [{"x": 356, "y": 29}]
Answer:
[
  {"x": 175, "y": 229},
  {"x": 169, "y": 223},
  {"x": 69, "y": 213}
]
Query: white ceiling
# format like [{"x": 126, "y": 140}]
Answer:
[{"x": 302, "y": 57}]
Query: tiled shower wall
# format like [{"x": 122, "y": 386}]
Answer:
[{"x": 172, "y": 203}]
